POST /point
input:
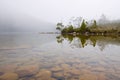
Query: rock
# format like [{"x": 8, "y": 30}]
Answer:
[
  {"x": 44, "y": 72},
  {"x": 1, "y": 73},
  {"x": 45, "y": 79},
  {"x": 86, "y": 71},
  {"x": 75, "y": 72},
  {"x": 44, "y": 75},
  {"x": 8, "y": 68},
  {"x": 59, "y": 61},
  {"x": 88, "y": 77},
  {"x": 24, "y": 73},
  {"x": 101, "y": 77},
  {"x": 66, "y": 74},
  {"x": 27, "y": 78},
  {"x": 99, "y": 69},
  {"x": 27, "y": 71},
  {"x": 55, "y": 69},
  {"x": 65, "y": 66},
  {"x": 81, "y": 66},
  {"x": 110, "y": 70},
  {"x": 118, "y": 72},
  {"x": 58, "y": 74},
  {"x": 9, "y": 76},
  {"x": 103, "y": 63},
  {"x": 53, "y": 79},
  {"x": 77, "y": 60},
  {"x": 74, "y": 78}
]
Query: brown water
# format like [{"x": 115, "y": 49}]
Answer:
[{"x": 54, "y": 57}]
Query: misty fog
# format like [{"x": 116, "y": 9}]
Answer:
[{"x": 42, "y": 15}]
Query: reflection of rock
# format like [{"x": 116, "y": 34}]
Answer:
[
  {"x": 44, "y": 75},
  {"x": 27, "y": 71},
  {"x": 88, "y": 77},
  {"x": 9, "y": 76}
]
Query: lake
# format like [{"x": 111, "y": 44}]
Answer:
[{"x": 33, "y": 56}]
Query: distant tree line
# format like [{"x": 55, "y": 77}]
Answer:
[
  {"x": 92, "y": 28},
  {"x": 80, "y": 29}
]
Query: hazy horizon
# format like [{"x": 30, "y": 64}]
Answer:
[{"x": 38, "y": 13}]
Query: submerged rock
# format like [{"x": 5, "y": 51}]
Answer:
[
  {"x": 45, "y": 79},
  {"x": 44, "y": 72},
  {"x": 55, "y": 69},
  {"x": 1, "y": 73},
  {"x": 99, "y": 69},
  {"x": 58, "y": 74},
  {"x": 88, "y": 77},
  {"x": 74, "y": 78},
  {"x": 86, "y": 71},
  {"x": 27, "y": 79},
  {"x": 27, "y": 71},
  {"x": 24, "y": 73},
  {"x": 44, "y": 75},
  {"x": 65, "y": 66},
  {"x": 101, "y": 76},
  {"x": 75, "y": 72},
  {"x": 8, "y": 68},
  {"x": 9, "y": 76}
]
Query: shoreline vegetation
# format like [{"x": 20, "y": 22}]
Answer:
[{"x": 80, "y": 26}]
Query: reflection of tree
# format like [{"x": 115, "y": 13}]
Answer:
[
  {"x": 68, "y": 37},
  {"x": 102, "y": 45},
  {"x": 93, "y": 40},
  {"x": 80, "y": 41},
  {"x": 83, "y": 39},
  {"x": 60, "y": 39},
  {"x": 76, "y": 43}
]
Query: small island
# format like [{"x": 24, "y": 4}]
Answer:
[{"x": 90, "y": 27}]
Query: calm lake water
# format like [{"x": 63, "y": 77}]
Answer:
[{"x": 59, "y": 57}]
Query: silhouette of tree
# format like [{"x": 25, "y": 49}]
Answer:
[{"x": 83, "y": 26}]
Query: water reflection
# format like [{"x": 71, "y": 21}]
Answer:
[
  {"x": 80, "y": 41},
  {"x": 47, "y": 60}
]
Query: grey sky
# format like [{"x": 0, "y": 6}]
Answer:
[{"x": 56, "y": 10}]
